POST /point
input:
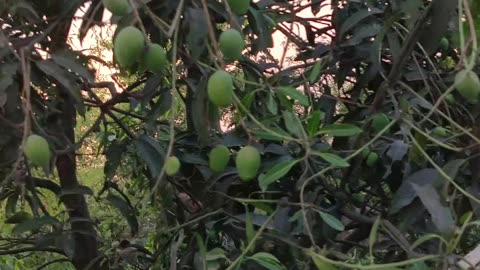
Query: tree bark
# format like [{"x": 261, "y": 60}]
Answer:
[{"x": 85, "y": 250}]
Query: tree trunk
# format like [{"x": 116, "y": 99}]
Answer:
[
  {"x": 85, "y": 250},
  {"x": 83, "y": 232}
]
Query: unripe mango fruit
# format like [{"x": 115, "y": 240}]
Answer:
[
  {"x": 248, "y": 162},
  {"x": 231, "y": 44},
  {"x": 36, "y": 150},
  {"x": 450, "y": 98},
  {"x": 468, "y": 85},
  {"x": 365, "y": 152},
  {"x": 372, "y": 159},
  {"x": 220, "y": 88},
  {"x": 155, "y": 58},
  {"x": 239, "y": 7},
  {"x": 172, "y": 165},
  {"x": 440, "y": 131},
  {"x": 444, "y": 44},
  {"x": 218, "y": 158},
  {"x": 128, "y": 46},
  {"x": 117, "y": 7},
  {"x": 380, "y": 121}
]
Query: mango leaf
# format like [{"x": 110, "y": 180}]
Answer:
[
  {"x": 340, "y": 130},
  {"x": 441, "y": 215},
  {"x": 276, "y": 172},
  {"x": 127, "y": 211},
  {"x": 151, "y": 152},
  {"x": 315, "y": 71},
  {"x": 333, "y": 159},
  {"x": 66, "y": 79},
  {"x": 197, "y": 31},
  {"x": 261, "y": 28},
  {"x": 320, "y": 261},
  {"x": 266, "y": 135},
  {"x": 355, "y": 18},
  {"x": 216, "y": 254},
  {"x": 272, "y": 105},
  {"x": 34, "y": 224},
  {"x": 405, "y": 194},
  {"x": 113, "y": 154},
  {"x": 294, "y": 94},
  {"x": 202, "y": 249},
  {"x": 451, "y": 169},
  {"x": 313, "y": 122},
  {"x": 73, "y": 66},
  {"x": 292, "y": 123},
  {"x": 331, "y": 221},
  {"x": 267, "y": 260},
  {"x": 249, "y": 229}
]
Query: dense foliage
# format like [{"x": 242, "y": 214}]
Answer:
[{"x": 356, "y": 148}]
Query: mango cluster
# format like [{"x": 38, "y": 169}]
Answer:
[{"x": 247, "y": 161}]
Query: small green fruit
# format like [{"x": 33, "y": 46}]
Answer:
[
  {"x": 117, "y": 7},
  {"x": 156, "y": 58},
  {"x": 36, "y": 150},
  {"x": 220, "y": 88},
  {"x": 468, "y": 85},
  {"x": 372, "y": 159},
  {"x": 218, "y": 158},
  {"x": 239, "y": 7},
  {"x": 440, "y": 131},
  {"x": 248, "y": 162},
  {"x": 444, "y": 44},
  {"x": 365, "y": 152},
  {"x": 128, "y": 46},
  {"x": 172, "y": 165},
  {"x": 380, "y": 121},
  {"x": 231, "y": 44},
  {"x": 450, "y": 98}
]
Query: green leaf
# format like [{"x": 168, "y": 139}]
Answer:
[
  {"x": 276, "y": 172},
  {"x": 202, "y": 249},
  {"x": 113, "y": 155},
  {"x": 266, "y": 135},
  {"x": 315, "y": 71},
  {"x": 151, "y": 152},
  {"x": 73, "y": 66},
  {"x": 333, "y": 159},
  {"x": 340, "y": 130},
  {"x": 314, "y": 123},
  {"x": 34, "y": 224},
  {"x": 294, "y": 94},
  {"x": 66, "y": 79},
  {"x": 292, "y": 123},
  {"x": 319, "y": 262},
  {"x": 267, "y": 260},
  {"x": 441, "y": 215},
  {"x": 331, "y": 221},
  {"x": 272, "y": 105},
  {"x": 354, "y": 19},
  {"x": 198, "y": 31},
  {"x": 216, "y": 254},
  {"x": 249, "y": 229},
  {"x": 126, "y": 210}
]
